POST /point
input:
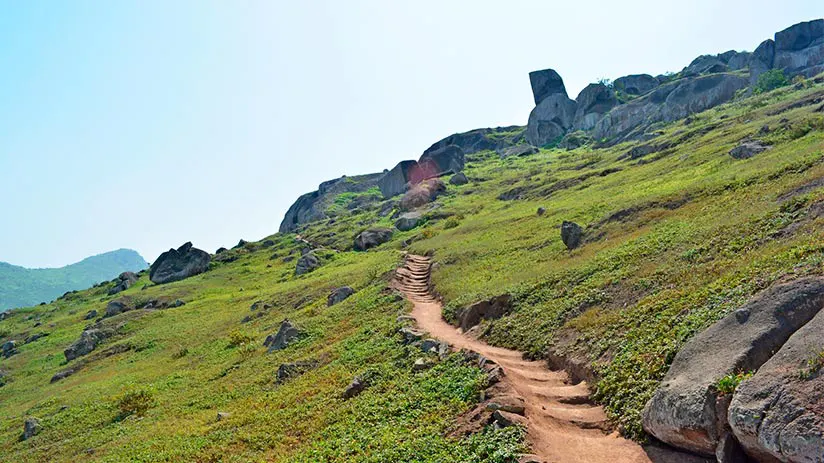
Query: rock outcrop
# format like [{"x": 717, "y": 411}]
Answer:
[
  {"x": 123, "y": 282},
  {"x": 685, "y": 411},
  {"x": 118, "y": 306},
  {"x": 594, "y": 101},
  {"x": 551, "y": 119},
  {"x": 31, "y": 427},
  {"x": 747, "y": 150},
  {"x": 287, "y": 334},
  {"x": 778, "y": 414},
  {"x": 636, "y": 84},
  {"x": 178, "y": 264},
  {"x": 546, "y": 83},
  {"x": 89, "y": 340},
  {"x": 481, "y": 139},
  {"x": 798, "y": 50},
  {"x": 368, "y": 239}
]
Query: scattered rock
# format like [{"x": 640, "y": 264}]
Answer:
[
  {"x": 777, "y": 414},
  {"x": 507, "y": 403},
  {"x": 9, "y": 348},
  {"x": 422, "y": 193},
  {"x": 747, "y": 150},
  {"x": 307, "y": 263},
  {"x": 518, "y": 150},
  {"x": 433, "y": 346},
  {"x": 90, "y": 314},
  {"x": 368, "y": 239},
  {"x": 124, "y": 281},
  {"x": 458, "y": 179},
  {"x": 541, "y": 211},
  {"x": 505, "y": 419},
  {"x": 31, "y": 427},
  {"x": 354, "y": 388},
  {"x": 571, "y": 234},
  {"x": 291, "y": 370},
  {"x": 34, "y": 337},
  {"x": 422, "y": 364},
  {"x": 339, "y": 294},
  {"x": 223, "y": 415},
  {"x": 267, "y": 243},
  {"x": 118, "y": 306},
  {"x": 411, "y": 335},
  {"x": 408, "y": 221},
  {"x": 260, "y": 305},
  {"x": 491, "y": 309},
  {"x": 180, "y": 263},
  {"x": 682, "y": 412},
  {"x": 287, "y": 334},
  {"x": 240, "y": 244},
  {"x": 88, "y": 341}
]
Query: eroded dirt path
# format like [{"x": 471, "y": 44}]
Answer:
[{"x": 563, "y": 426}]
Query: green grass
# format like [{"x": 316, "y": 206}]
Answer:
[{"x": 729, "y": 383}]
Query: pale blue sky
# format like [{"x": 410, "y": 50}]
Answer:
[{"x": 145, "y": 124}]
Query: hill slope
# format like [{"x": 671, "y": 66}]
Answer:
[{"x": 21, "y": 287}]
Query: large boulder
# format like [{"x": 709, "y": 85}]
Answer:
[
  {"x": 762, "y": 59},
  {"x": 408, "y": 221},
  {"x": 778, "y": 414},
  {"x": 705, "y": 64},
  {"x": 287, "y": 334},
  {"x": 635, "y": 84},
  {"x": 124, "y": 281},
  {"x": 368, "y": 239},
  {"x": 667, "y": 103},
  {"x": 9, "y": 348},
  {"x": 799, "y": 49},
  {"x": 338, "y": 295},
  {"x": 481, "y": 139},
  {"x": 546, "y": 83},
  {"x": 443, "y": 161},
  {"x": 593, "y": 102},
  {"x": 571, "y": 234},
  {"x": 396, "y": 181},
  {"x": 683, "y": 412},
  {"x": 307, "y": 263},
  {"x": 458, "y": 179},
  {"x": 422, "y": 193},
  {"x": 551, "y": 119},
  {"x": 180, "y": 263},
  {"x": 491, "y": 309},
  {"x": 31, "y": 427},
  {"x": 118, "y": 306}
]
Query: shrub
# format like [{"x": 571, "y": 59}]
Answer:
[
  {"x": 180, "y": 353},
  {"x": 451, "y": 222},
  {"x": 814, "y": 365},
  {"x": 729, "y": 383},
  {"x": 771, "y": 80},
  {"x": 135, "y": 402},
  {"x": 239, "y": 338}
]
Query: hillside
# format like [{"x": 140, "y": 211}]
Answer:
[
  {"x": 21, "y": 287},
  {"x": 597, "y": 251}
]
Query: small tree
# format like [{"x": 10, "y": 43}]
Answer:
[{"x": 771, "y": 80}]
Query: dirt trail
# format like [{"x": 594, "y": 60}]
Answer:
[{"x": 563, "y": 424}]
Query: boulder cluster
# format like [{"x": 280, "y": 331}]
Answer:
[{"x": 625, "y": 108}]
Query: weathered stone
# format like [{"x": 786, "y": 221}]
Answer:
[
  {"x": 541, "y": 211},
  {"x": 777, "y": 414},
  {"x": 762, "y": 59},
  {"x": 88, "y": 341},
  {"x": 411, "y": 335},
  {"x": 9, "y": 348},
  {"x": 338, "y": 295},
  {"x": 287, "y": 334},
  {"x": 223, "y": 415},
  {"x": 90, "y": 314},
  {"x": 124, "y": 281},
  {"x": 747, "y": 150},
  {"x": 571, "y": 234},
  {"x": 458, "y": 179},
  {"x": 291, "y": 370},
  {"x": 408, "y": 221},
  {"x": 307, "y": 263},
  {"x": 31, "y": 427},
  {"x": 550, "y": 120},
  {"x": 313, "y": 206},
  {"x": 443, "y": 161},
  {"x": 421, "y": 194},
  {"x": 118, "y": 306},
  {"x": 396, "y": 181},
  {"x": 594, "y": 101},
  {"x": 180, "y": 263},
  {"x": 546, "y": 83},
  {"x": 371, "y": 238},
  {"x": 518, "y": 150},
  {"x": 481, "y": 139},
  {"x": 34, "y": 337},
  {"x": 354, "y": 388},
  {"x": 507, "y": 403},
  {"x": 491, "y": 309},
  {"x": 506, "y": 419},
  {"x": 422, "y": 364},
  {"x": 799, "y": 49},
  {"x": 636, "y": 84},
  {"x": 682, "y": 412}
]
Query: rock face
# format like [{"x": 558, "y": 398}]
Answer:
[
  {"x": 546, "y": 83},
  {"x": 667, "y": 103},
  {"x": 287, "y": 334},
  {"x": 491, "y": 309},
  {"x": 396, "y": 181},
  {"x": 777, "y": 414},
  {"x": 422, "y": 193},
  {"x": 594, "y": 101},
  {"x": 636, "y": 84},
  {"x": 312, "y": 206},
  {"x": 368, "y": 239},
  {"x": 180, "y": 263},
  {"x": 338, "y": 295},
  {"x": 798, "y": 50},
  {"x": 683, "y": 411},
  {"x": 571, "y": 234},
  {"x": 551, "y": 119},
  {"x": 124, "y": 281}
]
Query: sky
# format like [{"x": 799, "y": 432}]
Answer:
[{"x": 146, "y": 124}]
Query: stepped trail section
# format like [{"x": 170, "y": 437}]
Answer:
[{"x": 563, "y": 426}]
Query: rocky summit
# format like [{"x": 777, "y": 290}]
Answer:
[{"x": 635, "y": 275}]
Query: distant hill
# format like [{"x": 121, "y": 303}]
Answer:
[{"x": 21, "y": 287}]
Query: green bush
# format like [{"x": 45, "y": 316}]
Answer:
[
  {"x": 239, "y": 338},
  {"x": 729, "y": 383},
  {"x": 771, "y": 80},
  {"x": 814, "y": 365},
  {"x": 135, "y": 402}
]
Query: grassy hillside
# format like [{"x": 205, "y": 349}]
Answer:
[
  {"x": 674, "y": 240},
  {"x": 20, "y": 287}
]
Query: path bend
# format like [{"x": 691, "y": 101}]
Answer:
[{"x": 562, "y": 423}]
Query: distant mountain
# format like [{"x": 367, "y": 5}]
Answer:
[{"x": 21, "y": 287}]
